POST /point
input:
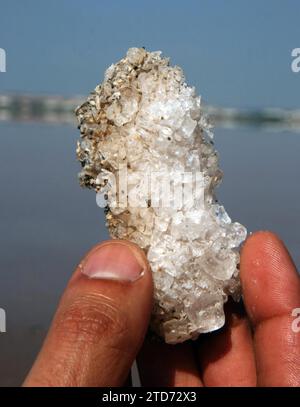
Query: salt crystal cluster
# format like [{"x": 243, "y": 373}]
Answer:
[{"x": 145, "y": 119}]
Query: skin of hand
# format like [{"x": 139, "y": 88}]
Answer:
[{"x": 100, "y": 325}]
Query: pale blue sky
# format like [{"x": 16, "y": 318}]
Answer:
[{"x": 236, "y": 52}]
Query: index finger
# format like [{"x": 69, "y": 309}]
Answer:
[{"x": 271, "y": 288}]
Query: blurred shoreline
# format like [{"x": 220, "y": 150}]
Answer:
[{"x": 57, "y": 109}]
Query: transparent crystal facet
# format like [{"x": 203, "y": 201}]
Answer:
[{"x": 146, "y": 118}]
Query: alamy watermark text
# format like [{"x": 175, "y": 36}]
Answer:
[
  {"x": 296, "y": 61},
  {"x": 2, "y": 320},
  {"x": 2, "y": 60}
]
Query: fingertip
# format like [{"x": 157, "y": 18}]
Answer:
[
  {"x": 261, "y": 240},
  {"x": 114, "y": 259},
  {"x": 269, "y": 278}
]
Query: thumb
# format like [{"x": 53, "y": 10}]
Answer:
[{"x": 100, "y": 322}]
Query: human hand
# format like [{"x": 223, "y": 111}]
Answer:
[{"x": 101, "y": 322}]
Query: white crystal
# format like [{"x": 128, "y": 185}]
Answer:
[{"x": 145, "y": 118}]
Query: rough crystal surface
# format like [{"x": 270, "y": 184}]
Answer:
[{"x": 145, "y": 115}]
